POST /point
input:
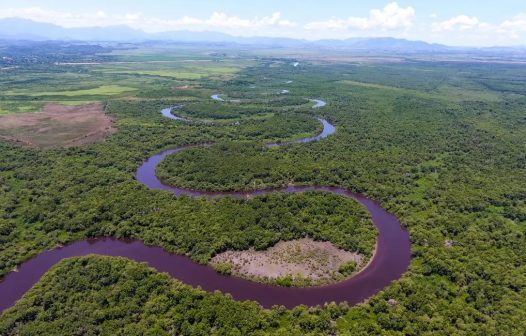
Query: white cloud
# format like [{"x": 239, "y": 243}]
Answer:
[
  {"x": 216, "y": 21},
  {"x": 222, "y": 20},
  {"x": 391, "y": 20},
  {"x": 133, "y": 16},
  {"x": 36, "y": 13},
  {"x": 67, "y": 19},
  {"x": 472, "y": 31},
  {"x": 460, "y": 22},
  {"x": 516, "y": 24},
  {"x": 391, "y": 17}
]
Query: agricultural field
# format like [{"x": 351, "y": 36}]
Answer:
[
  {"x": 29, "y": 88},
  {"x": 441, "y": 145}
]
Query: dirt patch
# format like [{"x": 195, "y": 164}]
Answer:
[
  {"x": 298, "y": 262},
  {"x": 184, "y": 88},
  {"x": 58, "y": 126}
]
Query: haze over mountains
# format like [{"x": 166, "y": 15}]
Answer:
[{"x": 23, "y": 29}]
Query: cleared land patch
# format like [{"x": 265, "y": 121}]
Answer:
[
  {"x": 57, "y": 126},
  {"x": 291, "y": 263}
]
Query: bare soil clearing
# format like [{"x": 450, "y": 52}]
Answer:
[
  {"x": 184, "y": 88},
  {"x": 58, "y": 126},
  {"x": 311, "y": 262}
]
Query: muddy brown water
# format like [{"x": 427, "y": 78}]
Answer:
[{"x": 390, "y": 261}]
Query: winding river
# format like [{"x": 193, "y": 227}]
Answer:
[
  {"x": 167, "y": 112},
  {"x": 391, "y": 258}
]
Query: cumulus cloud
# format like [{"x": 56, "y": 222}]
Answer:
[
  {"x": 392, "y": 16},
  {"x": 36, "y": 13},
  {"x": 222, "y": 20},
  {"x": 473, "y": 30},
  {"x": 391, "y": 20},
  {"x": 67, "y": 19},
  {"x": 460, "y": 22},
  {"x": 513, "y": 26},
  {"x": 463, "y": 22},
  {"x": 216, "y": 21},
  {"x": 516, "y": 24}
]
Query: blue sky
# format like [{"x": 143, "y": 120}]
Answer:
[{"x": 460, "y": 22}]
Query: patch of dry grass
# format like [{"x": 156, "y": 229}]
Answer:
[
  {"x": 303, "y": 261},
  {"x": 57, "y": 126}
]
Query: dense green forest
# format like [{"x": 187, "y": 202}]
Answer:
[
  {"x": 441, "y": 145},
  {"x": 103, "y": 296}
]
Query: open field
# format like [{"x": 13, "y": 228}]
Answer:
[
  {"x": 58, "y": 126},
  {"x": 291, "y": 262},
  {"x": 180, "y": 71},
  {"x": 105, "y": 90},
  {"x": 29, "y": 89},
  {"x": 447, "y": 92}
]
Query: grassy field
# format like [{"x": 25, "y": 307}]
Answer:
[
  {"x": 178, "y": 70},
  {"x": 104, "y": 90},
  {"x": 27, "y": 89},
  {"x": 446, "y": 92}
]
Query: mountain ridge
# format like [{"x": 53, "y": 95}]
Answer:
[{"x": 25, "y": 29}]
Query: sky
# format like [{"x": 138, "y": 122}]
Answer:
[{"x": 451, "y": 22}]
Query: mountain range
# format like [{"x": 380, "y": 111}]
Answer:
[{"x": 23, "y": 29}]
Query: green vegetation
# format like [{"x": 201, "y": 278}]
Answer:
[
  {"x": 224, "y": 268},
  {"x": 107, "y": 296},
  {"x": 105, "y": 90},
  {"x": 99, "y": 289},
  {"x": 348, "y": 268},
  {"x": 452, "y": 168},
  {"x": 229, "y": 166},
  {"x": 285, "y": 281},
  {"x": 76, "y": 74},
  {"x": 186, "y": 70}
]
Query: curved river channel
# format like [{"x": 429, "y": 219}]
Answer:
[{"x": 391, "y": 258}]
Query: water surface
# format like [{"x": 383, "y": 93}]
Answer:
[
  {"x": 217, "y": 98},
  {"x": 167, "y": 112}
]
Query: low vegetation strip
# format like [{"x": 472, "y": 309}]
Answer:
[{"x": 105, "y": 90}]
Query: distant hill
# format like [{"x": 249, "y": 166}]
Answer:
[
  {"x": 381, "y": 43},
  {"x": 23, "y": 29}
]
